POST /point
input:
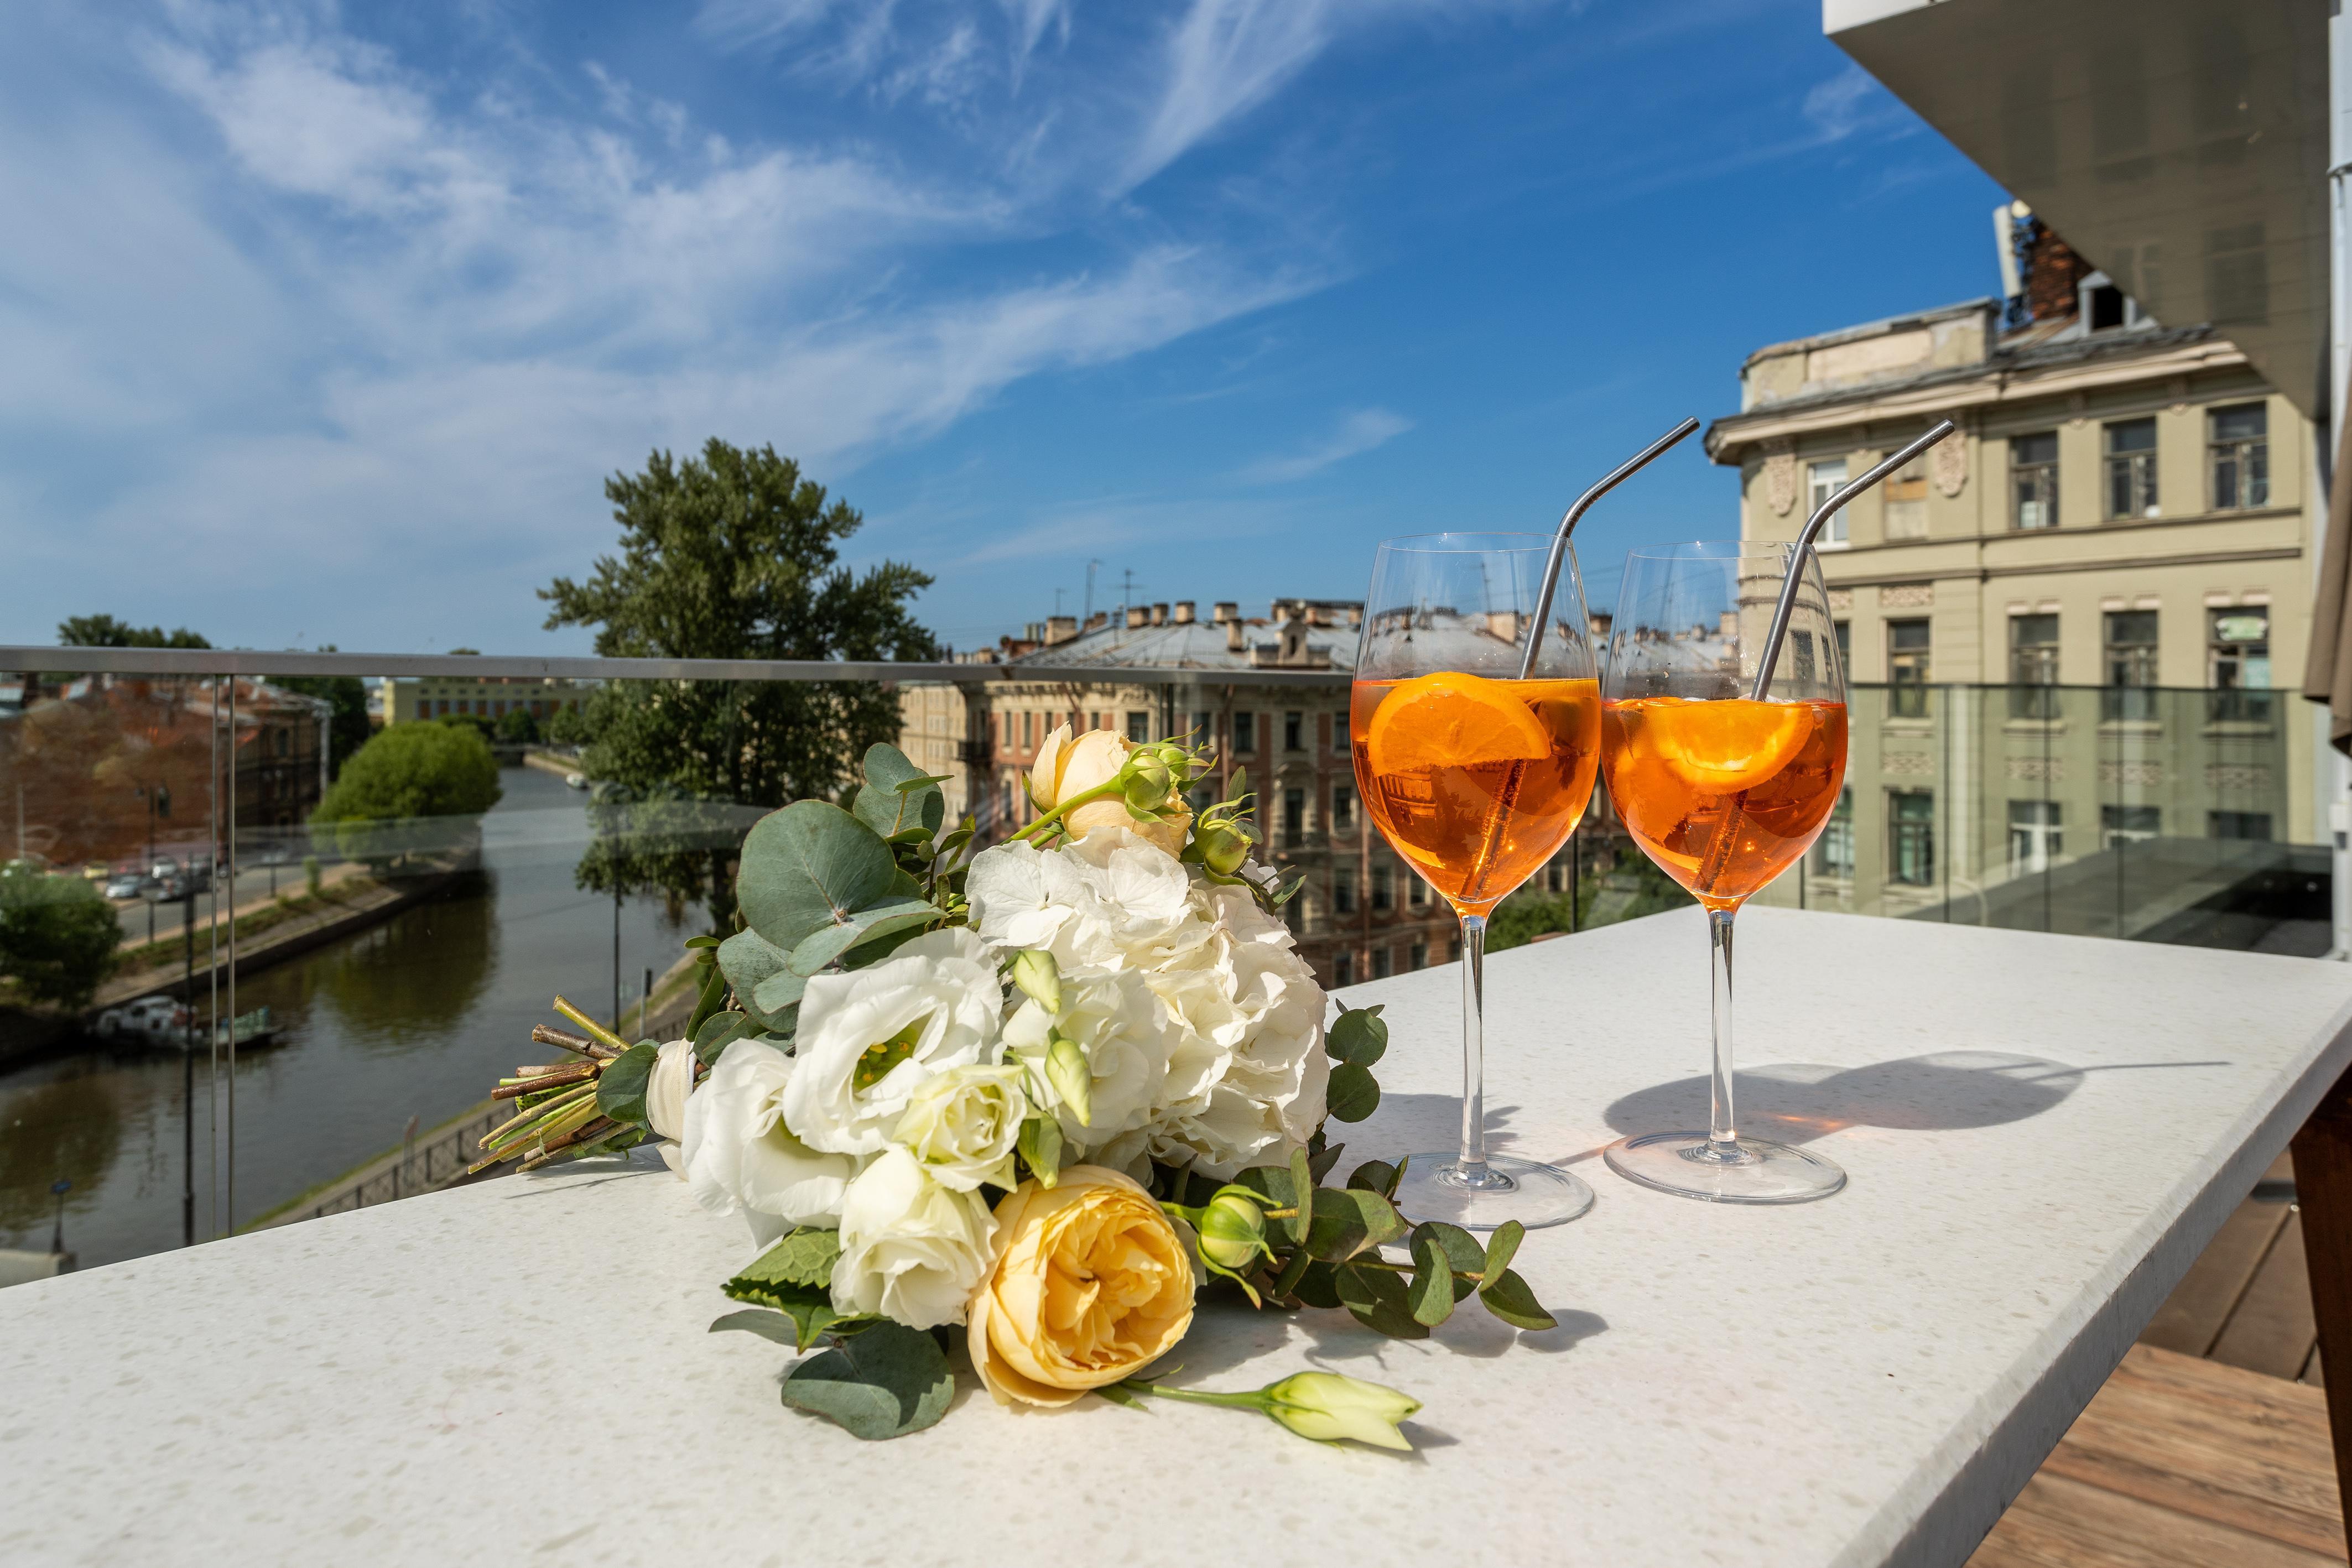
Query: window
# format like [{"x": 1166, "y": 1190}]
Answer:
[
  {"x": 2238, "y": 659},
  {"x": 1824, "y": 480},
  {"x": 1553, "y": 873},
  {"x": 2129, "y": 825},
  {"x": 1906, "y": 668},
  {"x": 2131, "y": 666},
  {"x": 1911, "y": 837},
  {"x": 1381, "y": 964},
  {"x": 1201, "y": 730},
  {"x": 1833, "y": 851},
  {"x": 1245, "y": 734},
  {"x": 1343, "y": 891},
  {"x": 1343, "y": 809},
  {"x": 1906, "y": 501},
  {"x": 1845, "y": 631},
  {"x": 1343, "y": 968},
  {"x": 1294, "y": 818},
  {"x": 1383, "y": 895},
  {"x": 1139, "y": 727},
  {"x": 2238, "y": 452},
  {"x": 2131, "y": 468},
  {"x": 1292, "y": 727},
  {"x": 1417, "y": 955},
  {"x": 1417, "y": 891},
  {"x": 1339, "y": 734},
  {"x": 1028, "y": 730},
  {"x": 2033, "y": 480},
  {"x": 2032, "y": 666},
  {"x": 2036, "y": 833},
  {"x": 2254, "y": 825}
]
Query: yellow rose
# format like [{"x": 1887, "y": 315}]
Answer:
[
  {"x": 1091, "y": 1283},
  {"x": 1066, "y": 768}
]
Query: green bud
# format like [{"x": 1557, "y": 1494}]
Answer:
[
  {"x": 1223, "y": 847},
  {"x": 1072, "y": 1077},
  {"x": 1328, "y": 1406},
  {"x": 1232, "y": 1232},
  {"x": 1041, "y": 1148},
  {"x": 1149, "y": 782},
  {"x": 1037, "y": 974}
]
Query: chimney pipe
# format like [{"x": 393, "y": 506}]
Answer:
[
  {"x": 1233, "y": 629},
  {"x": 1226, "y": 611},
  {"x": 1160, "y": 615},
  {"x": 1183, "y": 612},
  {"x": 1136, "y": 616}
]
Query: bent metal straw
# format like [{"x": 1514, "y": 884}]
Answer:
[{"x": 1567, "y": 526}]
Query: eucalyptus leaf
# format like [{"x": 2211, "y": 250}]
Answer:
[
  {"x": 1509, "y": 1297},
  {"x": 1321, "y": 1161},
  {"x": 1353, "y": 1093},
  {"x": 1348, "y": 1221},
  {"x": 1316, "y": 1286},
  {"x": 748, "y": 959},
  {"x": 1301, "y": 1180},
  {"x": 1376, "y": 1175},
  {"x": 702, "y": 941},
  {"x": 766, "y": 1323},
  {"x": 898, "y": 796},
  {"x": 719, "y": 1032},
  {"x": 1377, "y": 1299},
  {"x": 888, "y": 1381},
  {"x": 810, "y": 865},
  {"x": 1430, "y": 1297},
  {"x": 777, "y": 999},
  {"x": 1358, "y": 1035},
  {"x": 1501, "y": 1247},
  {"x": 621, "y": 1087},
  {"x": 820, "y": 946}
]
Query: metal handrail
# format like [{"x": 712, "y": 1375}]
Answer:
[{"x": 198, "y": 662}]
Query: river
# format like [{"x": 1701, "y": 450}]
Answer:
[{"x": 418, "y": 1016}]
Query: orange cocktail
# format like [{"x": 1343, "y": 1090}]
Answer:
[
  {"x": 1724, "y": 795},
  {"x": 1475, "y": 781}
]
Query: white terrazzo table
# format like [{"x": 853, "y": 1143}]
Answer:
[{"x": 2041, "y": 1133}]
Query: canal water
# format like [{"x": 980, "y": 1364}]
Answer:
[{"x": 417, "y": 1017}]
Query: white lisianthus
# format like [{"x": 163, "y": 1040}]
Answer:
[
  {"x": 911, "y": 1249},
  {"x": 869, "y": 1038},
  {"x": 1115, "y": 1022},
  {"x": 671, "y": 1081},
  {"x": 738, "y": 1156},
  {"x": 962, "y": 1124}
]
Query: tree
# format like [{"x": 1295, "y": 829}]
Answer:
[
  {"x": 349, "y": 728},
  {"x": 410, "y": 771},
  {"x": 517, "y": 728},
  {"x": 106, "y": 631},
  {"x": 478, "y": 723},
  {"x": 732, "y": 555},
  {"x": 58, "y": 935}
]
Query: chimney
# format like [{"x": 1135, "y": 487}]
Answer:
[
  {"x": 1099, "y": 617},
  {"x": 1183, "y": 612},
  {"x": 1136, "y": 616},
  {"x": 1160, "y": 615},
  {"x": 2053, "y": 273},
  {"x": 1060, "y": 629},
  {"x": 1233, "y": 625},
  {"x": 1226, "y": 613}
]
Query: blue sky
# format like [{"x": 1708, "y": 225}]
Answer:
[{"x": 326, "y": 324}]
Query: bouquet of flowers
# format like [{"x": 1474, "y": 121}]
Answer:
[{"x": 1036, "y": 1098}]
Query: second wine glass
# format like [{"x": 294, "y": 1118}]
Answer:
[{"x": 1476, "y": 767}]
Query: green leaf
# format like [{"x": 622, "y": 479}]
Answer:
[
  {"x": 1321, "y": 1161},
  {"x": 888, "y": 1381},
  {"x": 1348, "y": 1221},
  {"x": 702, "y": 941},
  {"x": 1377, "y": 1299},
  {"x": 874, "y": 949},
  {"x": 1501, "y": 1247},
  {"x": 1041, "y": 1148},
  {"x": 1272, "y": 1183},
  {"x": 1509, "y": 1299},
  {"x": 899, "y": 795},
  {"x": 777, "y": 999},
  {"x": 711, "y": 998},
  {"x": 1118, "y": 1396},
  {"x": 1358, "y": 1035},
  {"x": 1376, "y": 1175},
  {"x": 1353, "y": 1094},
  {"x": 804, "y": 1257},
  {"x": 810, "y": 865},
  {"x": 719, "y": 1032},
  {"x": 820, "y": 946},
  {"x": 875, "y": 1064},
  {"x": 809, "y": 1308},
  {"x": 1316, "y": 1287},
  {"x": 761, "y": 1321},
  {"x": 749, "y": 960},
  {"x": 1441, "y": 1252},
  {"x": 621, "y": 1087},
  {"x": 1301, "y": 1180}
]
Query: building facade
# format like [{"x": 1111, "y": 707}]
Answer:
[{"x": 406, "y": 700}]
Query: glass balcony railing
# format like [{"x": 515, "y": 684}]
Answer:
[{"x": 270, "y": 925}]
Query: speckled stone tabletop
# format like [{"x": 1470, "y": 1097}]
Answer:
[{"x": 2041, "y": 1133}]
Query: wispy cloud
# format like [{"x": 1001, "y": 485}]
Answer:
[{"x": 1357, "y": 433}]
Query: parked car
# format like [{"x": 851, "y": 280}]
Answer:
[
  {"x": 162, "y": 865},
  {"x": 156, "y": 1020},
  {"x": 95, "y": 870},
  {"x": 127, "y": 884},
  {"x": 577, "y": 781}
]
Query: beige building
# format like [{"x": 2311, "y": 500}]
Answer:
[
  {"x": 932, "y": 720},
  {"x": 406, "y": 700},
  {"x": 2125, "y": 509}
]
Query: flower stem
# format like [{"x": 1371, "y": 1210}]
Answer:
[
  {"x": 1108, "y": 787},
  {"x": 1253, "y": 1400}
]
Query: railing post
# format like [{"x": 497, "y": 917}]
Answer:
[{"x": 2323, "y": 1188}]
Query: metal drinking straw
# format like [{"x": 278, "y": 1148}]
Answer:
[
  {"x": 1787, "y": 608},
  {"x": 1567, "y": 526}
]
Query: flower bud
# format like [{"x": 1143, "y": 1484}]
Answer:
[
  {"x": 1232, "y": 1232},
  {"x": 1149, "y": 782},
  {"x": 1067, "y": 1070},
  {"x": 1039, "y": 977},
  {"x": 1328, "y": 1406},
  {"x": 1223, "y": 847}
]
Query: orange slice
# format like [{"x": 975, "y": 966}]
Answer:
[
  {"x": 1722, "y": 747},
  {"x": 1450, "y": 720}
]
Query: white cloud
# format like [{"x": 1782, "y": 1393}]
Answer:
[{"x": 1357, "y": 433}]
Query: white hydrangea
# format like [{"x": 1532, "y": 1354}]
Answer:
[{"x": 1113, "y": 1018}]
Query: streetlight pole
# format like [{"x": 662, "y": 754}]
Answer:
[{"x": 58, "y": 1189}]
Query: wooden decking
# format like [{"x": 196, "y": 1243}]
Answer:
[{"x": 2209, "y": 1447}]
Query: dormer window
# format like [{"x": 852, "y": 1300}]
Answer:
[{"x": 2106, "y": 306}]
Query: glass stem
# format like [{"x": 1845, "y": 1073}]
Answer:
[
  {"x": 1723, "y": 1122},
  {"x": 1473, "y": 1048}
]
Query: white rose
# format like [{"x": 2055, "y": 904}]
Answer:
[
  {"x": 739, "y": 1157},
  {"x": 1114, "y": 1020},
  {"x": 869, "y": 1038},
  {"x": 911, "y": 1249},
  {"x": 963, "y": 1126}
]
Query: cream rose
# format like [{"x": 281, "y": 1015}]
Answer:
[
  {"x": 963, "y": 1126},
  {"x": 911, "y": 1248},
  {"x": 1066, "y": 768},
  {"x": 1091, "y": 1284}
]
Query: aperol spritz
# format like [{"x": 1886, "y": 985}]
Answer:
[
  {"x": 1724, "y": 795},
  {"x": 1476, "y": 761}
]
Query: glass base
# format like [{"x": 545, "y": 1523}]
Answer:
[
  {"x": 1438, "y": 1187},
  {"x": 1754, "y": 1171}
]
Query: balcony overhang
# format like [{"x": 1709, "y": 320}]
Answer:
[{"x": 2180, "y": 145}]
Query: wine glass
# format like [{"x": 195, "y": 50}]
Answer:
[
  {"x": 1476, "y": 763},
  {"x": 1724, "y": 790}
]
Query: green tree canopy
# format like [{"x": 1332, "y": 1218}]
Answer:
[
  {"x": 58, "y": 935},
  {"x": 106, "y": 631},
  {"x": 730, "y": 555},
  {"x": 408, "y": 771}
]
